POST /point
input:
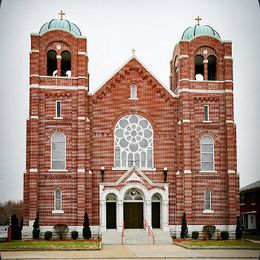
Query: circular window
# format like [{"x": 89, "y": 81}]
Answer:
[{"x": 133, "y": 142}]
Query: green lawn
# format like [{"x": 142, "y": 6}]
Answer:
[
  {"x": 219, "y": 243},
  {"x": 41, "y": 244}
]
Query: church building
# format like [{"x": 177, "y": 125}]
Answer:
[{"x": 134, "y": 154}]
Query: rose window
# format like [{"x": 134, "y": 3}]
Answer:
[{"x": 133, "y": 142}]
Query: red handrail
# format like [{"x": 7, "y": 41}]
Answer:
[
  {"x": 123, "y": 233},
  {"x": 149, "y": 230}
]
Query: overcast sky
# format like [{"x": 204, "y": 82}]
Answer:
[{"x": 113, "y": 28}]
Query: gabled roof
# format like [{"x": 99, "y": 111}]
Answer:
[
  {"x": 252, "y": 186},
  {"x": 133, "y": 57}
]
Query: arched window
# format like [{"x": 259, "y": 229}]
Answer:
[
  {"x": 133, "y": 194},
  {"x": 58, "y": 152},
  {"x": 199, "y": 67},
  {"x": 207, "y": 200},
  {"x": 133, "y": 94},
  {"x": 57, "y": 200},
  {"x": 207, "y": 153},
  {"x": 111, "y": 197},
  {"x": 212, "y": 62},
  {"x": 133, "y": 142},
  {"x": 65, "y": 64},
  {"x": 51, "y": 62}
]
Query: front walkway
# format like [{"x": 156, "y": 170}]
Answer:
[{"x": 135, "y": 251}]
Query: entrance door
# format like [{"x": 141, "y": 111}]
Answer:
[
  {"x": 111, "y": 214},
  {"x": 133, "y": 214},
  {"x": 156, "y": 214}
]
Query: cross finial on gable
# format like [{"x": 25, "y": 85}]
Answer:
[
  {"x": 198, "y": 19},
  {"x": 133, "y": 51},
  {"x": 61, "y": 14}
]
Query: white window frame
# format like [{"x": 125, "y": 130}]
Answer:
[
  {"x": 206, "y": 114},
  {"x": 55, "y": 202},
  {"x": 65, "y": 148},
  {"x": 133, "y": 92},
  {"x": 213, "y": 160},
  {"x": 56, "y": 110},
  {"x": 206, "y": 210}
]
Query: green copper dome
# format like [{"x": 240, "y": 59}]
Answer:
[
  {"x": 61, "y": 25},
  {"x": 199, "y": 30}
]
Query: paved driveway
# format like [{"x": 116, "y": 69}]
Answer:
[{"x": 135, "y": 251}]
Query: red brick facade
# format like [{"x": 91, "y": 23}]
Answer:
[{"x": 88, "y": 121}]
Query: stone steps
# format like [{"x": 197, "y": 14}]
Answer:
[
  {"x": 112, "y": 237},
  {"x": 136, "y": 237}
]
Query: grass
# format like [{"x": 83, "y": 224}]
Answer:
[
  {"x": 49, "y": 245},
  {"x": 219, "y": 243}
]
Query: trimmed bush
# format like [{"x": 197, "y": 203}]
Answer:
[
  {"x": 47, "y": 235},
  {"x": 208, "y": 231},
  {"x": 195, "y": 235},
  {"x": 86, "y": 229},
  {"x": 184, "y": 228},
  {"x": 61, "y": 230},
  {"x": 36, "y": 228},
  {"x": 74, "y": 234},
  {"x": 224, "y": 235}
]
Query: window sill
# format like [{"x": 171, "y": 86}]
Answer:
[
  {"x": 126, "y": 169},
  {"x": 206, "y": 121},
  {"x": 58, "y": 117},
  {"x": 57, "y": 170},
  {"x": 133, "y": 99},
  {"x": 207, "y": 171},
  {"x": 208, "y": 211},
  {"x": 58, "y": 211}
]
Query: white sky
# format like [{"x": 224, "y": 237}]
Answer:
[{"x": 113, "y": 28}]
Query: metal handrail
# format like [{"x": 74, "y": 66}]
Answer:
[
  {"x": 149, "y": 230},
  {"x": 123, "y": 233}
]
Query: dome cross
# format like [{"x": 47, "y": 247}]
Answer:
[
  {"x": 61, "y": 14},
  {"x": 198, "y": 19}
]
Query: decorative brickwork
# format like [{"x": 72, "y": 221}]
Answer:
[{"x": 88, "y": 121}]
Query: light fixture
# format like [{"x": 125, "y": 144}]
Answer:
[
  {"x": 102, "y": 172},
  {"x": 165, "y": 171}
]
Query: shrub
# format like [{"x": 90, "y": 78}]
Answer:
[
  {"x": 86, "y": 228},
  {"x": 47, "y": 235},
  {"x": 224, "y": 235},
  {"x": 36, "y": 227},
  {"x": 184, "y": 228},
  {"x": 74, "y": 234},
  {"x": 15, "y": 231},
  {"x": 238, "y": 229},
  {"x": 208, "y": 231},
  {"x": 195, "y": 235},
  {"x": 61, "y": 230}
]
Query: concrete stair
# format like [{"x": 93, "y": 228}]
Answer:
[
  {"x": 136, "y": 237},
  {"x": 111, "y": 237},
  {"x": 162, "y": 238}
]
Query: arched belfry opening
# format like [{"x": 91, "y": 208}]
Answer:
[
  {"x": 65, "y": 64},
  {"x": 212, "y": 67},
  {"x": 199, "y": 67},
  {"x": 52, "y": 63}
]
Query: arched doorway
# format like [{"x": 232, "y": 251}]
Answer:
[
  {"x": 111, "y": 200},
  {"x": 133, "y": 209},
  {"x": 156, "y": 211}
]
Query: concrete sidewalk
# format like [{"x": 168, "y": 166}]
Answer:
[{"x": 134, "y": 252}]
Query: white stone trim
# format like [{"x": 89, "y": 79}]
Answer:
[
  {"x": 205, "y": 61},
  {"x": 58, "y": 57},
  {"x": 206, "y": 91},
  {"x": 125, "y": 169},
  {"x": 187, "y": 171},
  {"x": 184, "y": 79},
  {"x": 87, "y": 119},
  {"x": 207, "y": 171},
  {"x": 204, "y": 121},
  {"x": 34, "y": 117},
  {"x": 57, "y": 87},
  {"x": 80, "y": 170},
  {"x": 183, "y": 56},
  {"x": 33, "y": 170},
  {"x": 186, "y": 120},
  {"x": 208, "y": 211},
  {"x": 34, "y": 50},
  {"x": 81, "y": 87},
  {"x": 34, "y": 75},
  {"x": 53, "y": 170},
  {"x": 228, "y": 58},
  {"x": 229, "y": 122},
  {"x": 82, "y": 53},
  {"x": 57, "y": 212},
  {"x": 229, "y": 80},
  {"x": 231, "y": 171},
  {"x": 59, "y": 118},
  {"x": 81, "y": 118},
  {"x": 178, "y": 173}
]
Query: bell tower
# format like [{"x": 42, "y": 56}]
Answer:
[{"x": 57, "y": 128}]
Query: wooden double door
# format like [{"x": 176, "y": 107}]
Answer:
[{"x": 133, "y": 214}]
